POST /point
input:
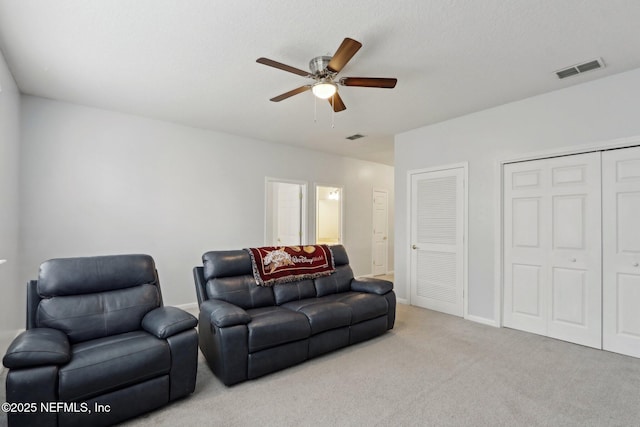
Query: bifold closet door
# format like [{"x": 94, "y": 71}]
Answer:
[
  {"x": 621, "y": 250},
  {"x": 552, "y": 248}
]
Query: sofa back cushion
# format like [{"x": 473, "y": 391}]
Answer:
[
  {"x": 339, "y": 255},
  {"x": 339, "y": 281},
  {"x": 97, "y": 315},
  {"x": 229, "y": 278},
  {"x": 294, "y": 291},
  {"x": 94, "y": 297},
  {"x": 86, "y": 275}
]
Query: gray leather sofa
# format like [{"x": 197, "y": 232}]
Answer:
[
  {"x": 247, "y": 331},
  {"x": 99, "y": 340}
]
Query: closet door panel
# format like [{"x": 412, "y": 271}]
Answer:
[
  {"x": 574, "y": 257},
  {"x": 526, "y": 234},
  {"x": 621, "y": 250}
]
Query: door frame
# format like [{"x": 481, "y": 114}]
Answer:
[
  {"x": 465, "y": 225},
  {"x": 498, "y": 304},
  {"x": 303, "y": 206}
]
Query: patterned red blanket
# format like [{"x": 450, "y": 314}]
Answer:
[{"x": 282, "y": 264}]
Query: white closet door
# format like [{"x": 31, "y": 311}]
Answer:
[
  {"x": 437, "y": 233},
  {"x": 575, "y": 264},
  {"x": 552, "y": 274},
  {"x": 526, "y": 234},
  {"x": 621, "y": 250}
]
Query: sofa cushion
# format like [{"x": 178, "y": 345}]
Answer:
[
  {"x": 371, "y": 285},
  {"x": 339, "y": 281},
  {"x": 226, "y": 264},
  {"x": 164, "y": 322},
  {"x": 363, "y": 306},
  {"x": 105, "y": 364},
  {"x": 91, "y": 316},
  {"x": 294, "y": 291},
  {"x": 272, "y": 326},
  {"x": 322, "y": 315},
  {"x": 339, "y": 255},
  {"x": 72, "y": 276},
  {"x": 241, "y": 291},
  {"x": 38, "y": 346}
]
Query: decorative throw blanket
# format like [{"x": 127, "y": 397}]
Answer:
[{"x": 282, "y": 264}]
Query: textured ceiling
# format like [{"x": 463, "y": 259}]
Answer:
[{"x": 193, "y": 62}]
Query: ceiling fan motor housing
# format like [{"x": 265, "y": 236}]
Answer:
[{"x": 318, "y": 65}]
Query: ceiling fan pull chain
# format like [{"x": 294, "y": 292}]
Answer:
[{"x": 333, "y": 111}]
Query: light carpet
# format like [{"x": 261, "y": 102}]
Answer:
[{"x": 432, "y": 369}]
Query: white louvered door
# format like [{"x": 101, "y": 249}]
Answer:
[{"x": 437, "y": 240}]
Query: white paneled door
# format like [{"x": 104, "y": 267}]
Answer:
[
  {"x": 437, "y": 240},
  {"x": 287, "y": 217},
  {"x": 525, "y": 244},
  {"x": 621, "y": 250},
  {"x": 380, "y": 232},
  {"x": 552, "y": 248}
]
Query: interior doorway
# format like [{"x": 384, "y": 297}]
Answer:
[
  {"x": 380, "y": 241},
  {"x": 328, "y": 215},
  {"x": 285, "y": 212}
]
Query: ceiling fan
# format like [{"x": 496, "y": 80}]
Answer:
[{"x": 324, "y": 70}]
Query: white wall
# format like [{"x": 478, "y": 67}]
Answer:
[
  {"x": 97, "y": 182},
  {"x": 11, "y": 288},
  {"x": 598, "y": 111}
]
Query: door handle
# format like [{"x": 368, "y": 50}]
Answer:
[
  {"x": 384, "y": 238},
  {"x": 635, "y": 264},
  {"x": 414, "y": 247}
]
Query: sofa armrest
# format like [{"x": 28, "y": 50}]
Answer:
[
  {"x": 223, "y": 314},
  {"x": 371, "y": 285},
  {"x": 38, "y": 347},
  {"x": 164, "y": 322}
]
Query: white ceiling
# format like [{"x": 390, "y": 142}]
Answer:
[{"x": 193, "y": 61}]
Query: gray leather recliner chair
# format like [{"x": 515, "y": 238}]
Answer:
[{"x": 98, "y": 339}]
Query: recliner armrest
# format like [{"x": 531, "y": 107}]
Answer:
[
  {"x": 164, "y": 322},
  {"x": 371, "y": 285},
  {"x": 223, "y": 314},
  {"x": 38, "y": 347}
]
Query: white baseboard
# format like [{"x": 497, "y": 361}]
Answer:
[
  {"x": 388, "y": 273},
  {"x": 188, "y": 306},
  {"x": 402, "y": 301},
  {"x": 483, "y": 320}
]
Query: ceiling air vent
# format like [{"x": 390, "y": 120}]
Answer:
[
  {"x": 580, "y": 68},
  {"x": 355, "y": 136}
]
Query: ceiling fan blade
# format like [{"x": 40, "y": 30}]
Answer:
[
  {"x": 345, "y": 52},
  {"x": 291, "y": 93},
  {"x": 382, "y": 82},
  {"x": 336, "y": 103},
  {"x": 281, "y": 66}
]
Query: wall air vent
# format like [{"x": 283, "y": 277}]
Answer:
[
  {"x": 580, "y": 68},
  {"x": 355, "y": 136}
]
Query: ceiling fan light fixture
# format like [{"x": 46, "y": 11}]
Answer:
[{"x": 324, "y": 89}]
